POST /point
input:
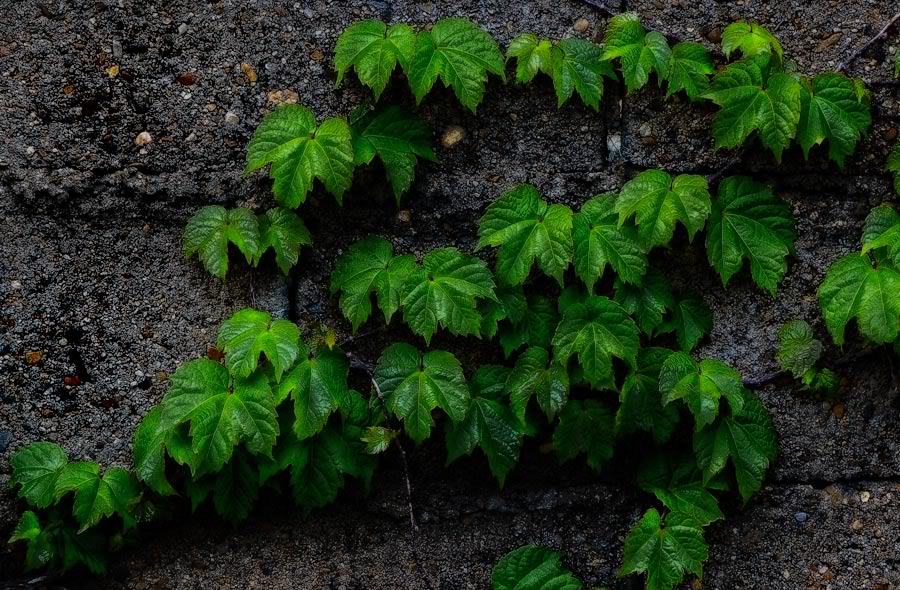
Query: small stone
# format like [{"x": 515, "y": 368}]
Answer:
[
  {"x": 865, "y": 497},
  {"x": 15, "y": 285},
  {"x": 117, "y": 49},
  {"x": 822, "y": 569},
  {"x": 33, "y": 357},
  {"x": 890, "y": 134},
  {"x": 452, "y": 136},
  {"x": 283, "y": 97},
  {"x": 186, "y": 78},
  {"x": 582, "y": 24},
  {"x": 182, "y": 28},
  {"x": 829, "y": 41},
  {"x": 857, "y": 525},
  {"x": 112, "y": 71},
  {"x": 838, "y": 410},
  {"x": 231, "y": 118},
  {"x": 143, "y": 138},
  {"x": 191, "y": 137},
  {"x": 147, "y": 228},
  {"x": 316, "y": 55},
  {"x": 645, "y": 130},
  {"x": 404, "y": 216},
  {"x": 801, "y": 517},
  {"x": 72, "y": 380},
  {"x": 249, "y": 72},
  {"x": 68, "y": 89}
]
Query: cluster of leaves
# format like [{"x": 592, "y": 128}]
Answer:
[{"x": 799, "y": 352}]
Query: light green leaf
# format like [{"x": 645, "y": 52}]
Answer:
[
  {"x": 527, "y": 228},
  {"x": 642, "y": 405},
  {"x": 700, "y": 385},
  {"x": 36, "y": 468},
  {"x": 284, "y": 232},
  {"x": 748, "y": 221},
  {"x": 585, "y": 426},
  {"x": 639, "y": 52},
  {"x": 532, "y": 568},
  {"x": 600, "y": 240},
  {"x": 831, "y": 109},
  {"x": 798, "y": 349},
  {"x": 532, "y": 56},
  {"x": 750, "y": 39},
  {"x": 665, "y": 552},
  {"x": 535, "y": 327},
  {"x": 646, "y": 302},
  {"x": 299, "y": 152},
  {"x": 373, "y": 49},
  {"x": 250, "y": 333},
  {"x": 537, "y": 375},
  {"x": 150, "y": 453},
  {"x": 378, "y": 439},
  {"x": 211, "y": 229},
  {"x": 881, "y": 234},
  {"x": 41, "y": 552},
  {"x": 96, "y": 497},
  {"x": 577, "y": 65},
  {"x": 689, "y": 67},
  {"x": 318, "y": 385}
]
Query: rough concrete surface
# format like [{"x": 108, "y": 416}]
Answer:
[{"x": 91, "y": 276}]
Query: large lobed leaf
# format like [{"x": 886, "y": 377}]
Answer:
[
  {"x": 250, "y": 333},
  {"x": 373, "y": 50},
  {"x": 798, "y": 349},
  {"x": 666, "y": 549},
  {"x": 832, "y": 109},
  {"x": 211, "y": 229},
  {"x": 585, "y": 426},
  {"x": 639, "y": 52},
  {"x": 532, "y": 568},
  {"x": 35, "y": 469},
  {"x": 701, "y": 385},
  {"x": 600, "y": 241},
  {"x": 284, "y": 232}
]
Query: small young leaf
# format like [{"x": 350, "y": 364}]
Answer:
[
  {"x": 646, "y": 302},
  {"x": 534, "y": 328},
  {"x": 679, "y": 486},
  {"x": 658, "y": 201},
  {"x": 299, "y": 152},
  {"x": 532, "y": 56},
  {"x": 96, "y": 497},
  {"x": 577, "y": 65},
  {"x": 893, "y": 163},
  {"x": 642, "y": 407},
  {"x": 510, "y": 305},
  {"x": 209, "y": 231},
  {"x": 689, "y": 67},
  {"x": 414, "y": 384},
  {"x": 881, "y": 234},
  {"x": 585, "y": 426},
  {"x": 150, "y": 453},
  {"x": 318, "y": 384},
  {"x": 532, "y": 568},
  {"x": 36, "y": 468},
  {"x": 397, "y": 137},
  {"x": 750, "y": 39},
  {"x": 596, "y": 330},
  {"x": 284, "y": 232},
  {"x": 665, "y": 553},
  {"x": 250, "y": 333},
  {"x": 41, "y": 552},
  {"x": 798, "y": 349},
  {"x": 748, "y": 221},
  {"x": 830, "y": 109},
  {"x": 378, "y": 439},
  {"x": 373, "y": 49},
  {"x": 639, "y": 52},
  {"x": 600, "y": 240},
  {"x": 443, "y": 293},
  {"x": 700, "y": 385},
  {"x": 691, "y": 320},
  {"x": 526, "y": 229},
  {"x": 536, "y": 375},
  {"x": 460, "y": 53}
]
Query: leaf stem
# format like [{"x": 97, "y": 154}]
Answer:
[{"x": 846, "y": 63}]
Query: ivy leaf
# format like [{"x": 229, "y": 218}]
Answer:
[
  {"x": 597, "y": 330},
  {"x": 577, "y": 65},
  {"x": 658, "y": 201},
  {"x": 41, "y": 552},
  {"x": 235, "y": 489},
  {"x": 443, "y": 293},
  {"x": 221, "y": 414},
  {"x": 526, "y": 229},
  {"x": 639, "y": 52},
  {"x": 36, "y": 468},
  {"x": 250, "y": 333},
  {"x": 798, "y": 349},
  {"x": 414, "y": 384},
  {"x": 532, "y": 568},
  {"x": 510, "y": 305},
  {"x": 536, "y": 375},
  {"x": 748, "y": 221},
  {"x": 489, "y": 423},
  {"x": 318, "y": 384},
  {"x": 881, "y": 234},
  {"x": 210, "y": 230},
  {"x": 369, "y": 266},
  {"x": 692, "y": 319},
  {"x": 378, "y": 439},
  {"x": 646, "y": 302},
  {"x": 831, "y": 109},
  {"x": 299, "y": 152},
  {"x": 532, "y": 56},
  {"x": 96, "y": 497},
  {"x": 150, "y": 453},
  {"x": 373, "y": 49},
  {"x": 689, "y": 67},
  {"x": 665, "y": 550},
  {"x": 753, "y": 97},
  {"x": 397, "y": 137},
  {"x": 535, "y": 327},
  {"x": 284, "y": 232},
  {"x": 460, "y": 53},
  {"x": 680, "y": 488},
  {"x": 748, "y": 437},
  {"x": 893, "y": 164},
  {"x": 642, "y": 405},
  {"x": 700, "y": 385},
  {"x": 750, "y": 39},
  {"x": 600, "y": 240},
  {"x": 854, "y": 289},
  {"x": 585, "y": 426}
]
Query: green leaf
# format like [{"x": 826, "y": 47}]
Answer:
[
  {"x": 250, "y": 333},
  {"x": 689, "y": 67},
  {"x": 284, "y": 232},
  {"x": 639, "y": 52},
  {"x": 36, "y": 468},
  {"x": 318, "y": 385},
  {"x": 527, "y": 228},
  {"x": 536, "y": 375},
  {"x": 535, "y": 327},
  {"x": 443, "y": 293},
  {"x": 666, "y": 552},
  {"x": 150, "y": 453},
  {"x": 830, "y": 109},
  {"x": 299, "y": 152},
  {"x": 532, "y": 568},
  {"x": 679, "y": 486},
  {"x": 489, "y": 424},
  {"x": 750, "y": 39},
  {"x": 510, "y": 305},
  {"x": 414, "y": 384},
  {"x": 397, "y": 137},
  {"x": 369, "y": 266},
  {"x": 41, "y": 552},
  {"x": 235, "y": 489},
  {"x": 221, "y": 413},
  {"x": 378, "y": 439},
  {"x": 96, "y": 497},
  {"x": 658, "y": 201},
  {"x": 577, "y": 66},
  {"x": 461, "y": 54},
  {"x": 532, "y": 56},
  {"x": 754, "y": 98},
  {"x": 692, "y": 319},
  {"x": 642, "y": 407},
  {"x": 373, "y": 49},
  {"x": 748, "y": 221},
  {"x": 210, "y": 230},
  {"x": 585, "y": 426},
  {"x": 600, "y": 240},
  {"x": 27, "y": 529},
  {"x": 798, "y": 349},
  {"x": 700, "y": 385},
  {"x": 646, "y": 302},
  {"x": 854, "y": 289},
  {"x": 881, "y": 234},
  {"x": 821, "y": 380},
  {"x": 748, "y": 437},
  {"x": 893, "y": 163},
  {"x": 597, "y": 331}
]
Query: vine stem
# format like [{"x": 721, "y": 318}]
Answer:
[
  {"x": 846, "y": 63},
  {"x": 717, "y": 175}
]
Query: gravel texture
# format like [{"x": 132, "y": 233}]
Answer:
[{"x": 92, "y": 278}]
